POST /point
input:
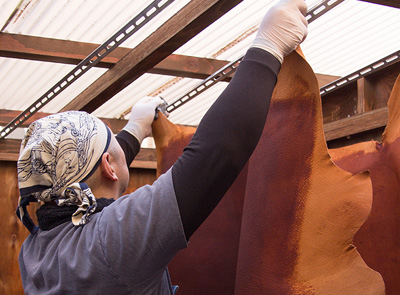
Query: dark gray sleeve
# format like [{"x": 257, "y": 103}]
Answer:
[
  {"x": 225, "y": 139},
  {"x": 129, "y": 144}
]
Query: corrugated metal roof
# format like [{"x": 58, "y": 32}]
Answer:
[{"x": 350, "y": 36}]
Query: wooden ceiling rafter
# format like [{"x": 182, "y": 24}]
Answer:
[
  {"x": 179, "y": 29},
  {"x": 391, "y": 3},
  {"x": 7, "y": 115},
  {"x": 72, "y": 52}
]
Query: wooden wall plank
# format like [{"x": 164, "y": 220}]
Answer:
[
  {"x": 356, "y": 124},
  {"x": 9, "y": 151},
  {"x": 367, "y": 100},
  {"x": 362, "y": 96},
  {"x": 379, "y": 86},
  {"x": 368, "y": 93},
  {"x": 340, "y": 104},
  {"x": 12, "y": 231}
]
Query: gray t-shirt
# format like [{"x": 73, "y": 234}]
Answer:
[{"x": 124, "y": 249}]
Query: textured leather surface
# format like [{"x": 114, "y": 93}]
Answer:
[
  {"x": 293, "y": 210},
  {"x": 301, "y": 211},
  {"x": 208, "y": 265},
  {"x": 378, "y": 240}
]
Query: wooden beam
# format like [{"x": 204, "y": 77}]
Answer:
[
  {"x": 9, "y": 148},
  {"x": 188, "y": 66},
  {"x": 53, "y": 50},
  {"x": 179, "y": 29},
  {"x": 368, "y": 93},
  {"x": 72, "y": 52},
  {"x": 391, "y": 3},
  {"x": 356, "y": 124},
  {"x": 7, "y": 115},
  {"x": 146, "y": 158},
  {"x": 9, "y": 151}
]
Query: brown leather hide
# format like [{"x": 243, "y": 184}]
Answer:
[
  {"x": 208, "y": 265},
  {"x": 301, "y": 211},
  {"x": 378, "y": 240}
]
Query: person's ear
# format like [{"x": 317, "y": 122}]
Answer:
[{"x": 107, "y": 168}]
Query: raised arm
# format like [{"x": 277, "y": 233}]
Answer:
[{"x": 230, "y": 130}]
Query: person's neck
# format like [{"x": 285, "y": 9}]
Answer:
[{"x": 106, "y": 191}]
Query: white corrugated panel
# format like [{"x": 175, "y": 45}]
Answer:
[
  {"x": 350, "y": 36},
  {"x": 87, "y": 21}
]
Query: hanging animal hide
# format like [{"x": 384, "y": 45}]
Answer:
[
  {"x": 378, "y": 240},
  {"x": 208, "y": 265},
  {"x": 295, "y": 212},
  {"x": 301, "y": 211}
]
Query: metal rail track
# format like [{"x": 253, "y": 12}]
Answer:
[{"x": 89, "y": 62}]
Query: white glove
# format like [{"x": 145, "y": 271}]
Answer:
[
  {"x": 142, "y": 116},
  {"x": 283, "y": 28}
]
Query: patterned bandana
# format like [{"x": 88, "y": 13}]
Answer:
[{"x": 57, "y": 155}]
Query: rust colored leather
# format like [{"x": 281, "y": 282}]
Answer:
[
  {"x": 301, "y": 211},
  {"x": 208, "y": 265},
  {"x": 378, "y": 240},
  {"x": 170, "y": 139}
]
